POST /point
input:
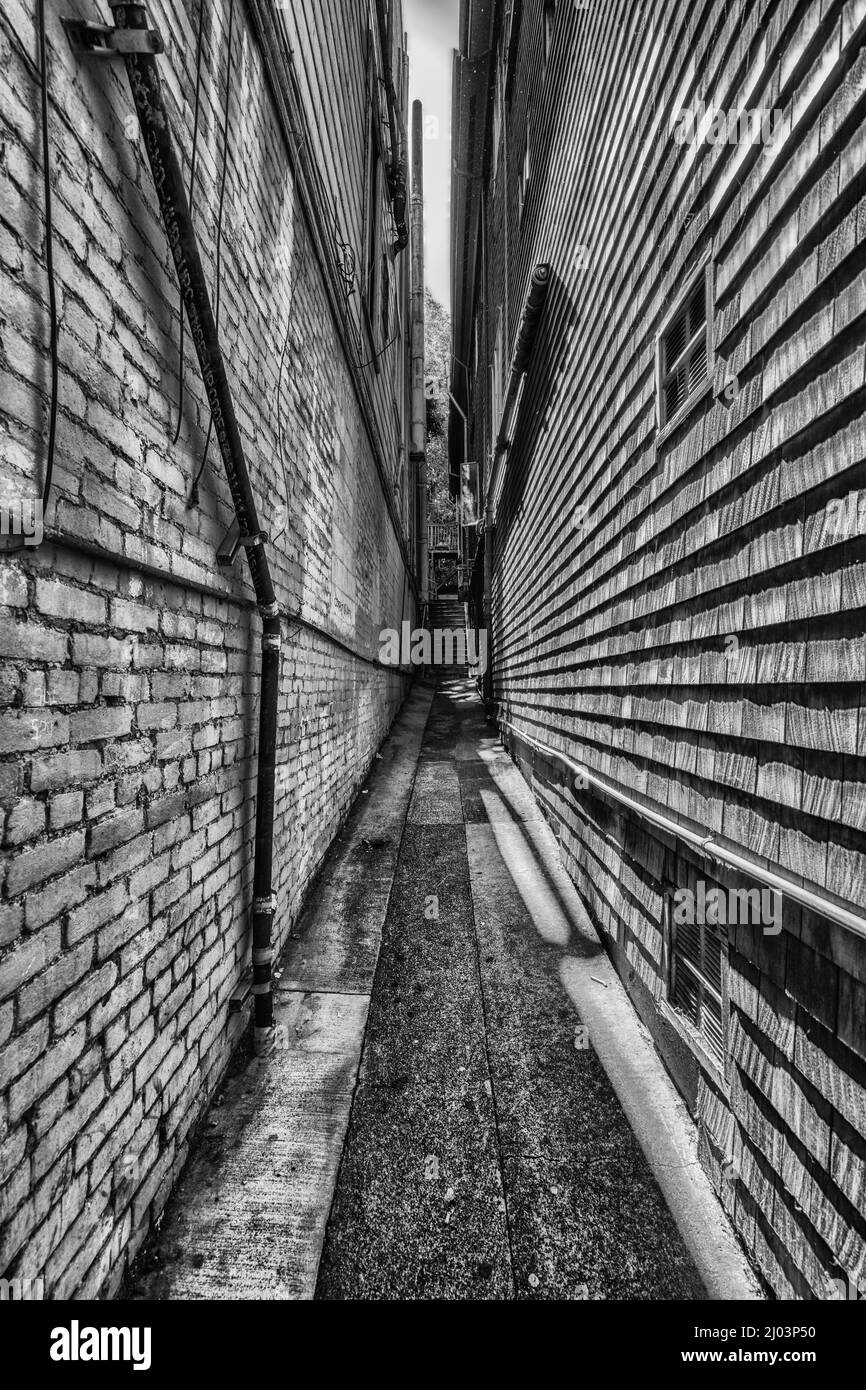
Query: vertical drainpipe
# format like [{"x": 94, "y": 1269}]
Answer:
[
  {"x": 419, "y": 398},
  {"x": 147, "y": 93}
]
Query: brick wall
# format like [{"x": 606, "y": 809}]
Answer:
[
  {"x": 682, "y": 612},
  {"x": 128, "y": 656}
]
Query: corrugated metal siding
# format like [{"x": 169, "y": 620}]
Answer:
[{"x": 685, "y": 612}]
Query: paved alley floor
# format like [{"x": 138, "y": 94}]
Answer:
[
  {"x": 467, "y": 1106},
  {"x": 489, "y": 1154}
]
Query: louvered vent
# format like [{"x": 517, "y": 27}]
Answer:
[
  {"x": 699, "y": 961},
  {"x": 684, "y": 357}
]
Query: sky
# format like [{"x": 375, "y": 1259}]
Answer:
[{"x": 432, "y": 28}]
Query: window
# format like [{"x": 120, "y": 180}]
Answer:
[
  {"x": 510, "y": 36},
  {"x": 496, "y": 374},
  {"x": 386, "y": 299},
  {"x": 698, "y": 979},
  {"x": 374, "y": 198},
  {"x": 525, "y": 171},
  {"x": 497, "y": 119},
  {"x": 683, "y": 350},
  {"x": 549, "y": 22}
]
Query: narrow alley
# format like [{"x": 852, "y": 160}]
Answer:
[
  {"x": 458, "y": 1068},
  {"x": 433, "y": 666}
]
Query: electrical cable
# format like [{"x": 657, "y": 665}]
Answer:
[
  {"x": 198, "y": 53},
  {"x": 193, "y": 497},
  {"x": 381, "y": 352},
  {"x": 49, "y": 268}
]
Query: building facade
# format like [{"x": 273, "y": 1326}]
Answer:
[
  {"x": 659, "y": 291},
  {"x": 129, "y": 663}
]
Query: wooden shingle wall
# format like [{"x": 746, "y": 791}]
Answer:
[{"x": 685, "y": 611}]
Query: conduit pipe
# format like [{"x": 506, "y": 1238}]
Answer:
[
  {"x": 701, "y": 840},
  {"x": 398, "y": 165},
  {"x": 147, "y": 94}
]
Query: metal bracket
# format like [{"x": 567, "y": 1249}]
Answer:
[
  {"x": 233, "y": 541},
  {"x": 103, "y": 41}
]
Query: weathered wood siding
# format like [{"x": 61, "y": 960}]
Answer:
[{"x": 684, "y": 612}]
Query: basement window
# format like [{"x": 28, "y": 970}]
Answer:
[
  {"x": 698, "y": 980},
  {"x": 683, "y": 351},
  {"x": 549, "y": 23}
]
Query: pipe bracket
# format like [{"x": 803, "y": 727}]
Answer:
[
  {"x": 265, "y": 905},
  {"x": 233, "y": 541}
]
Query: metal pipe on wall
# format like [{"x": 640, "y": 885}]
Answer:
[
  {"x": 701, "y": 839},
  {"x": 419, "y": 396},
  {"x": 149, "y": 101}
]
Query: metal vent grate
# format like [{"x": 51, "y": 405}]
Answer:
[
  {"x": 684, "y": 353},
  {"x": 698, "y": 965}
]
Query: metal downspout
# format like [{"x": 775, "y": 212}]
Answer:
[{"x": 147, "y": 93}]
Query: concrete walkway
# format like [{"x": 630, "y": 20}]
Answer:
[
  {"x": 512, "y": 1131},
  {"x": 247, "y": 1219}
]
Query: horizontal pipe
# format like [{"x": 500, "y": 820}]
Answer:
[{"x": 702, "y": 840}]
